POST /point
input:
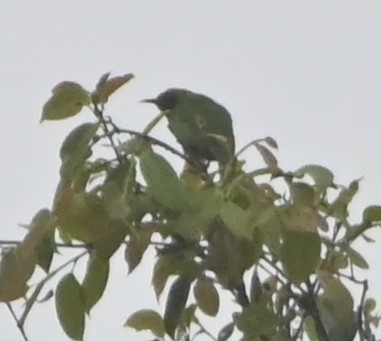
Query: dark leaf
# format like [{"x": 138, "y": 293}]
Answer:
[
  {"x": 147, "y": 319},
  {"x": 206, "y": 296},
  {"x": 176, "y": 301}
]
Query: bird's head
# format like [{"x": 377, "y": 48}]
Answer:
[{"x": 167, "y": 100}]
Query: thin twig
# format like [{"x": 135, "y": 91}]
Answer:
[
  {"x": 360, "y": 311},
  {"x": 19, "y": 325},
  {"x": 204, "y": 330},
  {"x": 98, "y": 112},
  {"x": 63, "y": 245}
]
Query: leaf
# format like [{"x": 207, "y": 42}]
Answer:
[
  {"x": 176, "y": 301},
  {"x": 322, "y": 177},
  {"x": 171, "y": 265},
  {"x": 68, "y": 100},
  {"x": 310, "y": 328},
  {"x": 95, "y": 281},
  {"x": 336, "y": 308},
  {"x": 107, "y": 86},
  {"x": 303, "y": 194},
  {"x": 82, "y": 216},
  {"x": 162, "y": 181},
  {"x": 300, "y": 254},
  {"x": 42, "y": 223},
  {"x": 146, "y": 319},
  {"x": 372, "y": 214},
  {"x": 356, "y": 258},
  {"x": 267, "y": 155},
  {"x": 70, "y": 307},
  {"x": 75, "y": 148},
  {"x": 256, "y": 320},
  {"x": 271, "y": 142},
  {"x": 136, "y": 247},
  {"x": 236, "y": 220},
  {"x": 225, "y": 333},
  {"x": 45, "y": 251},
  {"x": 206, "y": 296},
  {"x": 16, "y": 267},
  {"x": 195, "y": 219}
]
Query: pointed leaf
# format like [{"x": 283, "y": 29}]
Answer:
[
  {"x": 147, "y": 319},
  {"x": 267, "y": 155},
  {"x": 107, "y": 86},
  {"x": 68, "y": 100},
  {"x": 42, "y": 223},
  {"x": 95, "y": 281},
  {"x": 162, "y": 181},
  {"x": 45, "y": 251},
  {"x": 225, "y": 333},
  {"x": 271, "y": 142},
  {"x": 70, "y": 307},
  {"x": 176, "y": 301},
  {"x": 336, "y": 308},
  {"x": 322, "y": 176},
  {"x": 206, "y": 296},
  {"x": 136, "y": 247},
  {"x": 356, "y": 258}
]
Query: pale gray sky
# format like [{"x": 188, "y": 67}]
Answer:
[{"x": 307, "y": 73}]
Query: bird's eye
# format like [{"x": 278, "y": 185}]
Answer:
[{"x": 166, "y": 101}]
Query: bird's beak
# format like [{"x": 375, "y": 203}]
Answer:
[{"x": 149, "y": 100}]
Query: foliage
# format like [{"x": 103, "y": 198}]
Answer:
[{"x": 288, "y": 230}]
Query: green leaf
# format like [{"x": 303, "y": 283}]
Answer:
[
  {"x": 195, "y": 219},
  {"x": 237, "y": 220},
  {"x": 256, "y": 320},
  {"x": 70, "y": 307},
  {"x": 336, "y": 308},
  {"x": 322, "y": 176},
  {"x": 147, "y": 319},
  {"x": 68, "y": 100},
  {"x": 75, "y": 148},
  {"x": 225, "y": 333},
  {"x": 42, "y": 223},
  {"x": 310, "y": 328},
  {"x": 95, "y": 281},
  {"x": 136, "y": 247},
  {"x": 300, "y": 254},
  {"x": 16, "y": 267},
  {"x": 107, "y": 86},
  {"x": 356, "y": 258},
  {"x": 206, "y": 296},
  {"x": 45, "y": 251},
  {"x": 176, "y": 301},
  {"x": 372, "y": 214},
  {"x": 171, "y": 265},
  {"x": 303, "y": 194},
  {"x": 162, "y": 181}
]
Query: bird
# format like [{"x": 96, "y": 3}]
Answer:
[{"x": 203, "y": 127}]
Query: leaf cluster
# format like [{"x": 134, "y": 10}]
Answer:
[{"x": 280, "y": 242}]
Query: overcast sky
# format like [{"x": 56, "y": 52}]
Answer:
[{"x": 307, "y": 73}]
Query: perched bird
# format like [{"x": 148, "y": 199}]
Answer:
[{"x": 203, "y": 127}]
